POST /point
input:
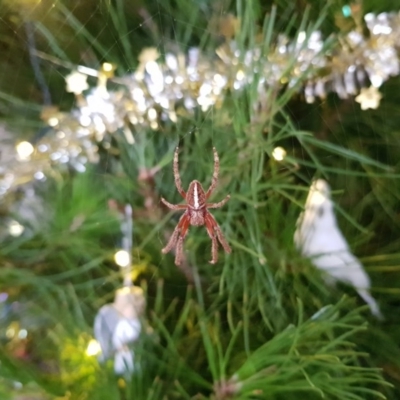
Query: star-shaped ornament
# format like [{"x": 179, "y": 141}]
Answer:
[
  {"x": 76, "y": 82},
  {"x": 148, "y": 54},
  {"x": 369, "y": 98}
]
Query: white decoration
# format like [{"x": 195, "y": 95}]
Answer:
[
  {"x": 369, "y": 98},
  {"x": 126, "y": 331},
  {"x": 76, "y": 82},
  {"x": 117, "y": 325},
  {"x": 318, "y": 237}
]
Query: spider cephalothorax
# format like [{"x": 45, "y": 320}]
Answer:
[{"x": 196, "y": 213}]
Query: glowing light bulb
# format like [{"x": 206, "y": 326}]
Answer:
[
  {"x": 93, "y": 348},
  {"x": 107, "y": 67},
  {"x": 24, "y": 150},
  {"x": 53, "y": 121},
  {"x": 152, "y": 114},
  {"x": 122, "y": 258},
  {"x": 15, "y": 228},
  {"x": 22, "y": 334},
  {"x": 240, "y": 75},
  {"x": 279, "y": 153}
]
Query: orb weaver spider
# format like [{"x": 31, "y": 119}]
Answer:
[{"x": 196, "y": 213}]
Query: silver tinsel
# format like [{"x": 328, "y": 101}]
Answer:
[{"x": 161, "y": 91}]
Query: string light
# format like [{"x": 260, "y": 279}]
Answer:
[
  {"x": 279, "y": 153},
  {"x": 122, "y": 258},
  {"x": 107, "y": 67},
  {"x": 24, "y": 151},
  {"x": 15, "y": 228},
  {"x": 53, "y": 121},
  {"x": 93, "y": 348}
]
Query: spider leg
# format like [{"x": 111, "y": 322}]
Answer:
[
  {"x": 219, "y": 204},
  {"x": 177, "y": 238},
  {"x": 178, "y": 182},
  {"x": 174, "y": 206},
  {"x": 214, "y": 179},
  {"x": 172, "y": 241},
  {"x": 179, "y": 245},
  {"x": 209, "y": 222},
  {"x": 174, "y": 237},
  {"x": 222, "y": 239},
  {"x": 214, "y": 231}
]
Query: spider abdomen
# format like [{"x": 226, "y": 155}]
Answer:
[{"x": 196, "y": 217}]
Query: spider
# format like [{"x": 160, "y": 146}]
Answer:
[{"x": 196, "y": 213}]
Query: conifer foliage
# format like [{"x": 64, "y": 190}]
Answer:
[{"x": 264, "y": 322}]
